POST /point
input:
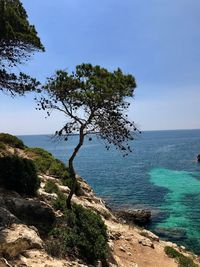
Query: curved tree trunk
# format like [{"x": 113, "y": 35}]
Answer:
[{"x": 71, "y": 168}]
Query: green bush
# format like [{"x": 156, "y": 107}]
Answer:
[
  {"x": 11, "y": 140},
  {"x": 60, "y": 202},
  {"x": 19, "y": 174},
  {"x": 68, "y": 182},
  {"x": 46, "y": 163},
  {"x": 58, "y": 169},
  {"x": 182, "y": 260},
  {"x": 51, "y": 187},
  {"x": 2, "y": 146},
  {"x": 55, "y": 248},
  {"x": 83, "y": 234}
]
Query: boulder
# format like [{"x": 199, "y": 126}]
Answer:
[
  {"x": 29, "y": 211},
  {"x": 149, "y": 235},
  {"x": 84, "y": 188},
  {"x": 7, "y": 218},
  {"x": 17, "y": 239},
  {"x": 198, "y": 157},
  {"x": 138, "y": 216},
  {"x": 146, "y": 242}
]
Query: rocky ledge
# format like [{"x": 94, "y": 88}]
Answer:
[{"x": 140, "y": 217}]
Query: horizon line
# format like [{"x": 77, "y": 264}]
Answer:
[{"x": 141, "y": 131}]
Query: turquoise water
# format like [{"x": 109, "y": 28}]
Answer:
[
  {"x": 180, "y": 204},
  {"x": 161, "y": 174}
]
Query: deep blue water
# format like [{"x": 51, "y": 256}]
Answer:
[{"x": 161, "y": 174}]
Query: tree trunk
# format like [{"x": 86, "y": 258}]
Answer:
[
  {"x": 73, "y": 185},
  {"x": 71, "y": 168}
]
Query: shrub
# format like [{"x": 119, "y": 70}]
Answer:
[
  {"x": 2, "y": 146},
  {"x": 83, "y": 234},
  {"x": 55, "y": 248},
  {"x": 182, "y": 260},
  {"x": 51, "y": 187},
  {"x": 46, "y": 163},
  {"x": 68, "y": 182},
  {"x": 58, "y": 169},
  {"x": 60, "y": 202},
  {"x": 19, "y": 174},
  {"x": 11, "y": 140}
]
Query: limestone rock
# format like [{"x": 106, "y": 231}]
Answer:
[
  {"x": 182, "y": 247},
  {"x": 146, "y": 242},
  {"x": 111, "y": 245},
  {"x": 17, "y": 239},
  {"x": 149, "y": 235},
  {"x": 114, "y": 235},
  {"x": 29, "y": 211},
  {"x": 85, "y": 189},
  {"x": 122, "y": 249},
  {"x": 44, "y": 196},
  {"x": 7, "y": 218},
  {"x": 39, "y": 258},
  {"x": 128, "y": 238},
  {"x": 64, "y": 189},
  {"x": 139, "y": 216}
]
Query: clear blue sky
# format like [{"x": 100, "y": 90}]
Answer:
[{"x": 158, "y": 41}]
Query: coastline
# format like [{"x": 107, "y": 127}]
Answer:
[{"x": 26, "y": 222}]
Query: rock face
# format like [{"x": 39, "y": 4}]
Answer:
[
  {"x": 139, "y": 216},
  {"x": 146, "y": 242},
  {"x": 14, "y": 208},
  {"x": 7, "y": 218},
  {"x": 149, "y": 235},
  {"x": 17, "y": 239}
]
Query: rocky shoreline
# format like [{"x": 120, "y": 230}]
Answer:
[
  {"x": 24, "y": 222},
  {"x": 20, "y": 235},
  {"x": 140, "y": 217}
]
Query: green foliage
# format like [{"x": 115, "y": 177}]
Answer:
[
  {"x": 19, "y": 174},
  {"x": 18, "y": 41},
  {"x": 94, "y": 100},
  {"x": 60, "y": 202},
  {"x": 51, "y": 187},
  {"x": 46, "y": 163},
  {"x": 55, "y": 248},
  {"x": 11, "y": 140},
  {"x": 58, "y": 169},
  {"x": 84, "y": 234},
  {"x": 182, "y": 260},
  {"x": 15, "y": 27},
  {"x": 68, "y": 182},
  {"x": 102, "y": 93},
  {"x": 2, "y": 145}
]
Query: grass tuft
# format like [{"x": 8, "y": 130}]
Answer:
[{"x": 182, "y": 260}]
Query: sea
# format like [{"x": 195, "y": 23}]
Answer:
[{"x": 161, "y": 174}]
